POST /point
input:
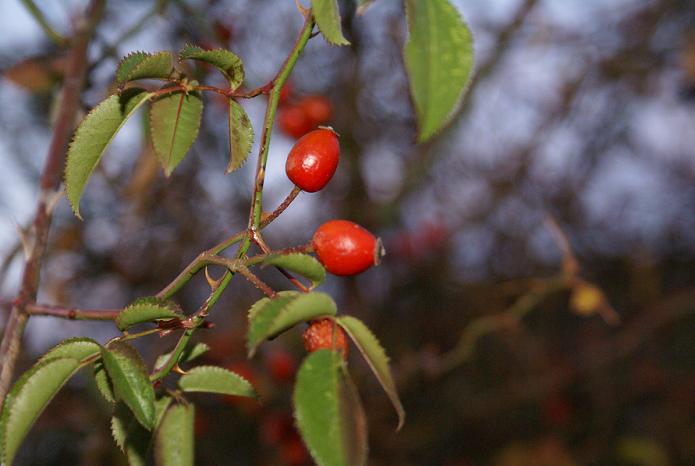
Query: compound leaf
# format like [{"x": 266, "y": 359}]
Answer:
[
  {"x": 174, "y": 445},
  {"x": 77, "y": 348},
  {"x": 131, "y": 383},
  {"x": 93, "y": 136},
  {"x": 374, "y": 354},
  {"x": 438, "y": 59},
  {"x": 270, "y": 317},
  {"x": 213, "y": 379},
  {"x": 141, "y": 65},
  {"x": 147, "y": 309},
  {"x": 189, "y": 354},
  {"x": 303, "y": 264},
  {"x": 28, "y": 398},
  {"x": 240, "y": 136},
  {"x": 327, "y": 16},
  {"x": 103, "y": 383},
  {"x": 174, "y": 124},
  {"x": 130, "y": 436},
  {"x": 328, "y": 412},
  {"x": 228, "y": 63}
]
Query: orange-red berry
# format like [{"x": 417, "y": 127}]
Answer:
[
  {"x": 286, "y": 93},
  {"x": 293, "y": 121},
  {"x": 345, "y": 248},
  {"x": 317, "y": 108},
  {"x": 325, "y": 334},
  {"x": 313, "y": 160}
]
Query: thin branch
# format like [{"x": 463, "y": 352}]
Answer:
[
  {"x": 486, "y": 325},
  {"x": 257, "y": 282},
  {"x": 255, "y": 212},
  {"x": 49, "y": 185},
  {"x": 39, "y": 17},
  {"x": 273, "y": 99},
  {"x": 199, "y": 262},
  {"x": 267, "y": 219},
  {"x": 37, "y": 309}
]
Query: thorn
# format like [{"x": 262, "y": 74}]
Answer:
[
  {"x": 214, "y": 283},
  {"x": 302, "y": 9},
  {"x": 52, "y": 200},
  {"x": 27, "y": 242},
  {"x": 178, "y": 370}
]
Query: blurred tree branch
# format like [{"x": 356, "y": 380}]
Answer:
[
  {"x": 39, "y": 17},
  {"x": 49, "y": 188}
]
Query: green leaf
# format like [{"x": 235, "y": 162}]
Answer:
[
  {"x": 28, "y": 398},
  {"x": 133, "y": 439},
  {"x": 189, "y": 354},
  {"x": 303, "y": 264},
  {"x": 131, "y": 383},
  {"x": 328, "y": 412},
  {"x": 438, "y": 59},
  {"x": 270, "y": 317},
  {"x": 174, "y": 123},
  {"x": 103, "y": 383},
  {"x": 228, "y": 63},
  {"x": 141, "y": 65},
  {"x": 92, "y": 138},
  {"x": 130, "y": 436},
  {"x": 240, "y": 136},
  {"x": 76, "y": 348},
  {"x": 148, "y": 309},
  {"x": 213, "y": 379},
  {"x": 327, "y": 16},
  {"x": 374, "y": 354},
  {"x": 174, "y": 442}
]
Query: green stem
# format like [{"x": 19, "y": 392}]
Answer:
[
  {"x": 255, "y": 214},
  {"x": 273, "y": 98},
  {"x": 174, "y": 357},
  {"x": 38, "y": 16}
]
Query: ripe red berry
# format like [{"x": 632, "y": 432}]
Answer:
[
  {"x": 317, "y": 108},
  {"x": 293, "y": 121},
  {"x": 313, "y": 160},
  {"x": 325, "y": 334},
  {"x": 345, "y": 248}
]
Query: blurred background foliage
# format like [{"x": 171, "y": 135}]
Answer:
[{"x": 501, "y": 323}]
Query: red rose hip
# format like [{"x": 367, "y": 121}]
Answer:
[
  {"x": 293, "y": 121},
  {"x": 317, "y": 109},
  {"x": 313, "y": 160},
  {"x": 345, "y": 248},
  {"x": 325, "y": 334}
]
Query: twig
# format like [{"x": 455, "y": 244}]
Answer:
[
  {"x": 257, "y": 282},
  {"x": 38, "y": 16},
  {"x": 49, "y": 184},
  {"x": 489, "y": 324},
  {"x": 36, "y": 309},
  {"x": 255, "y": 212}
]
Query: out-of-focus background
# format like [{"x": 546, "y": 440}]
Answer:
[{"x": 577, "y": 135}]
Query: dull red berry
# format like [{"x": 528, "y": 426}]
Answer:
[
  {"x": 325, "y": 334},
  {"x": 286, "y": 93},
  {"x": 293, "y": 121},
  {"x": 281, "y": 365},
  {"x": 345, "y": 248},
  {"x": 313, "y": 160},
  {"x": 317, "y": 108}
]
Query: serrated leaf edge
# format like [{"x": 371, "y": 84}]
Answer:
[
  {"x": 76, "y": 206},
  {"x": 389, "y": 386},
  {"x": 221, "y": 370}
]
